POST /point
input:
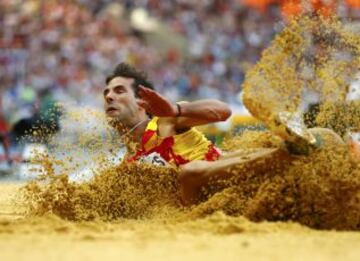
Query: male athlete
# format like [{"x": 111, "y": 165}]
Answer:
[{"x": 163, "y": 133}]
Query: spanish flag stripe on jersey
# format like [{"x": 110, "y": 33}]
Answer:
[{"x": 177, "y": 149}]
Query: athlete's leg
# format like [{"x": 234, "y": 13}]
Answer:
[
  {"x": 239, "y": 153},
  {"x": 197, "y": 174}
]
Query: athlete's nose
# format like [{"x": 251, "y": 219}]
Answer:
[{"x": 109, "y": 98}]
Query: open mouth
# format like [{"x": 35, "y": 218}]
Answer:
[{"x": 110, "y": 109}]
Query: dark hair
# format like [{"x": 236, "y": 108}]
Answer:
[{"x": 127, "y": 71}]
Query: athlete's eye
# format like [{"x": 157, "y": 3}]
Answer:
[{"x": 119, "y": 89}]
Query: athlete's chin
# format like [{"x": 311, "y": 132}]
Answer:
[
  {"x": 115, "y": 122},
  {"x": 115, "y": 119}
]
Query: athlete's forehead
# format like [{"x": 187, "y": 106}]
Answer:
[{"x": 120, "y": 81}]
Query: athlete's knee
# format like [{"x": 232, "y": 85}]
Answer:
[
  {"x": 193, "y": 171},
  {"x": 191, "y": 179}
]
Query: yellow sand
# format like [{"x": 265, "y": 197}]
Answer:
[
  {"x": 321, "y": 190},
  {"x": 215, "y": 237}
]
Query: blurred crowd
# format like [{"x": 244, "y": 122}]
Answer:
[{"x": 61, "y": 50}]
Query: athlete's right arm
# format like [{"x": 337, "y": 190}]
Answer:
[
  {"x": 201, "y": 112},
  {"x": 185, "y": 115}
]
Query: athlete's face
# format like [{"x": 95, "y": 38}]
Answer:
[{"x": 120, "y": 101}]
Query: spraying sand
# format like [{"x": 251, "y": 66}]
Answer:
[{"x": 134, "y": 211}]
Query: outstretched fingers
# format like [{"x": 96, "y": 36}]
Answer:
[{"x": 147, "y": 93}]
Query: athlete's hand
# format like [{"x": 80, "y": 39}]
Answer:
[{"x": 156, "y": 104}]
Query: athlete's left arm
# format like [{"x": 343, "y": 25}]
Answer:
[{"x": 185, "y": 115}]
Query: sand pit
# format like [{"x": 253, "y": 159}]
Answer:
[
  {"x": 133, "y": 211},
  {"x": 121, "y": 214},
  {"x": 321, "y": 190},
  {"x": 215, "y": 237}
]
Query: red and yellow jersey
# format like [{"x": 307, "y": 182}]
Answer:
[{"x": 177, "y": 149}]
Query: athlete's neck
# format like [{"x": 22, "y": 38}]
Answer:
[
  {"x": 138, "y": 130},
  {"x": 132, "y": 137}
]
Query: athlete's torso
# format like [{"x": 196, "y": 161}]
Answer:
[{"x": 176, "y": 149}]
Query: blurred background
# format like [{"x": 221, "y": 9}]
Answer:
[{"x": 61, "y": 50}]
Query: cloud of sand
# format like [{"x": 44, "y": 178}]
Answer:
[{"x": 321, "y": 190}]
